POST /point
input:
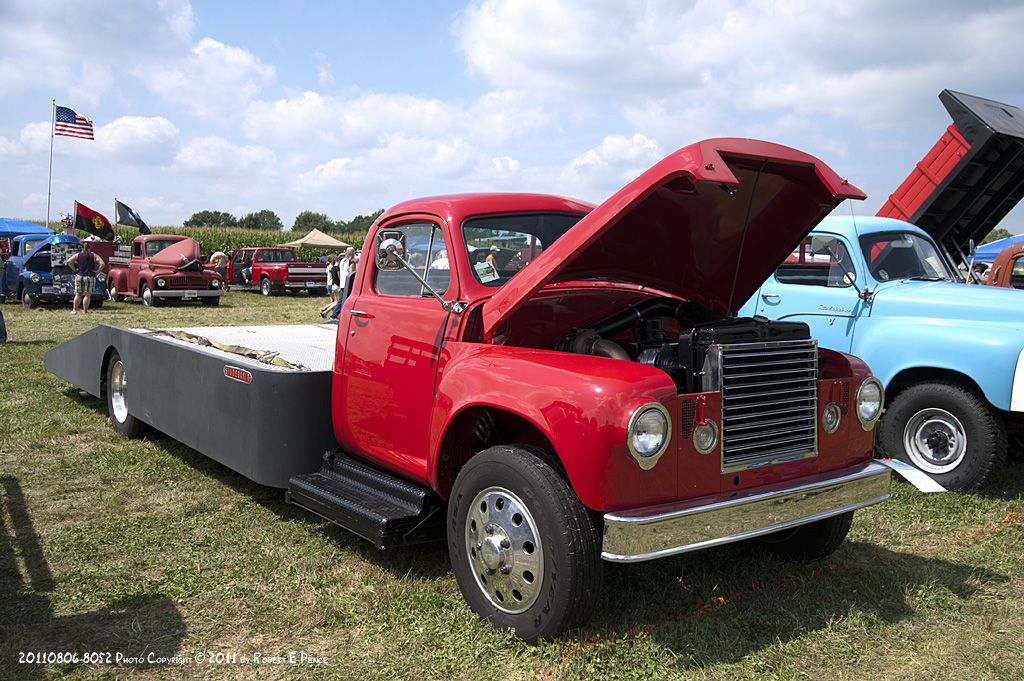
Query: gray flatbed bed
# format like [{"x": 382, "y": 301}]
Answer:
[{"x": 265, "y": 421}]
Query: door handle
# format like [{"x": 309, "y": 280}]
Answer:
[
  {"x": 358, "y": 313},
  {"x": 769, "y": 296}
]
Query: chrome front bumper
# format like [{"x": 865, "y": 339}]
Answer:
[
  {"x": 655, "y": 532},
  {"x": 181, "y": 293}
]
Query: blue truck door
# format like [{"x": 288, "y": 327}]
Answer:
[{"x": 815, "y": 289}]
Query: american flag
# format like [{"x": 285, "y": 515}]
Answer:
[{"x": 71, "y": 124}]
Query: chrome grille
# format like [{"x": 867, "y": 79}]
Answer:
[
  {"x": 187, "y": 282},
  {"x": 769, "y": 401}
]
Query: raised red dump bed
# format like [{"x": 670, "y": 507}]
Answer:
[{"x": 970, "y": 179}]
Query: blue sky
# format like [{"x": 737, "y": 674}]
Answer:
[{"x": 344, "y": 108}]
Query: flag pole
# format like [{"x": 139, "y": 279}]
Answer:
[{"x": 49, "y": 174}]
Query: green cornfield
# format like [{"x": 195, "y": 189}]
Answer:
[{"x": 228, "y": 239}]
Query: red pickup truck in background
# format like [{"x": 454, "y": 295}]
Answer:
[
  {"x": 275, "y": 270},
  {"x": 159, "y": 267},
  {"x": 593, "y": 399}
]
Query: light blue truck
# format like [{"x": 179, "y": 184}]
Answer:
[{"x": 950, "y": 355}]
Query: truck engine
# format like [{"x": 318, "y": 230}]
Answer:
[{"x": 766, "y": 371}]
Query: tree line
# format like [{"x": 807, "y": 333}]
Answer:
[{"x": 268, "y": 220}]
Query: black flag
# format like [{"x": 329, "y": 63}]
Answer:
[{"x": 127, "y": 216}]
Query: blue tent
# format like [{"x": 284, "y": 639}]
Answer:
[
  {"x": 988, "y": 252},
  {"x": 12, "y": 228}
]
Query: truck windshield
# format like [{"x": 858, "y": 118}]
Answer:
[
  {"x": 155, "y": 246},
  {"x": 902, "y": 255},
  {"x": 498, "y": 246}
]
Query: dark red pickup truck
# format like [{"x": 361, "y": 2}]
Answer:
[
  {"x": 275, "y": 270},
  {"x": 162, "y": 267},
  {"x": 543, "y": 383}
]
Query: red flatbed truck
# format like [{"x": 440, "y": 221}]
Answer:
[{"x": 599, "y": 402}]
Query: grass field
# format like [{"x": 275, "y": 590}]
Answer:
[{"x": 133, "y": 553}]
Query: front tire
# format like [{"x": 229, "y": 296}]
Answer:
[
  {"x": 27, "y": 301},
  {"x": 524, "y": 549},
  {"x": 947, "y": 431},
  {"x": 117, "y": 400},
  {"x": 147, "y": 295},
  {"x": 211, "y": 301},
  {"x": 113, "y": 294}
]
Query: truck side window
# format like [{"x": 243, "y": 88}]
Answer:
[
  {"x": 1017, "y": 274},
  {"x": 803, "y": 267},
  {"x": 427, "y": 253},
  {"x": 137, "y": 249}
]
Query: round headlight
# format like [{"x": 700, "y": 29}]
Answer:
[
  {"x": 705, "y": 436},
  {"x": 830, "y": 418},
  {"x": 870, "y": 397},
  {"x": 161, "y": 283},
  {"x": 215, "y": 283},
  {"x": 101, "y": 277},
  {"x": 648, "y": 434},
  {"x": 35, "y": 278}
]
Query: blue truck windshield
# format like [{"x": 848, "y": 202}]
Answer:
[{"x": 901, "y": 255}]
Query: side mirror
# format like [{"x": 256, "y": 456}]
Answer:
[
  {"x": 391, "y": 257},
  {"x": 390, "y": 250},
  {"x": 824, "y": 245}
]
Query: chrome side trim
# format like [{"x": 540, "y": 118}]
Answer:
[{"x": 655, "y": 532}]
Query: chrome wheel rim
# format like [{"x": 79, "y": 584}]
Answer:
[
  {"x": 935, "y": 440},
  {"x": 147, "y": 297},
  {"x": 505, "y": 550},
  {"x": 118, "y": 387}
]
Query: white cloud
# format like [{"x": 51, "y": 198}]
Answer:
[
  {"x": 10, "y": 148},
  {"x": 868, "y": 60},
  {"x": 359, "y": 122},
  {"x": 213, "y": 81},
  {"x": 127, "y": 139},
  {"x": 599, "y": 172},
  {"x": 325, "y": 73},
  {"x": 218, "y": 156},
  {"x": 74, "y": 47}
]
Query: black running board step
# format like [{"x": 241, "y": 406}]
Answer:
[{"x": 374, "y": 504}]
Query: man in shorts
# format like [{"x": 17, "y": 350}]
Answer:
[{"x": 85, "y": 265}]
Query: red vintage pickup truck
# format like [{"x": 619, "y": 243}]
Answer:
[
  {"x": 162, "y": 267},
  {"x": 545, "y": 384},
  {"x": 275, "y": 270}
]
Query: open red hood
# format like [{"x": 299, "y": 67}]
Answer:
[
  {"x": 709, "y": 223},
  {"x": 177, "y": 255}
]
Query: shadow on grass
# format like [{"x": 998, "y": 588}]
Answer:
[
  {"x": 138, "y": 628},
  {"x": 720, "y": 605},
  {"x": 1007, "y": 484},
  {"x": 422, "y": 561}
]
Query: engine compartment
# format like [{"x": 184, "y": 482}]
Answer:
[{"x": 674, "y": 336}]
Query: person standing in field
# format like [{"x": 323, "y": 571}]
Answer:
[
  {"x": 333, "y": 283},
  {"x": 220, "y": 263},
  {"x": 85, "y": 265}
]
